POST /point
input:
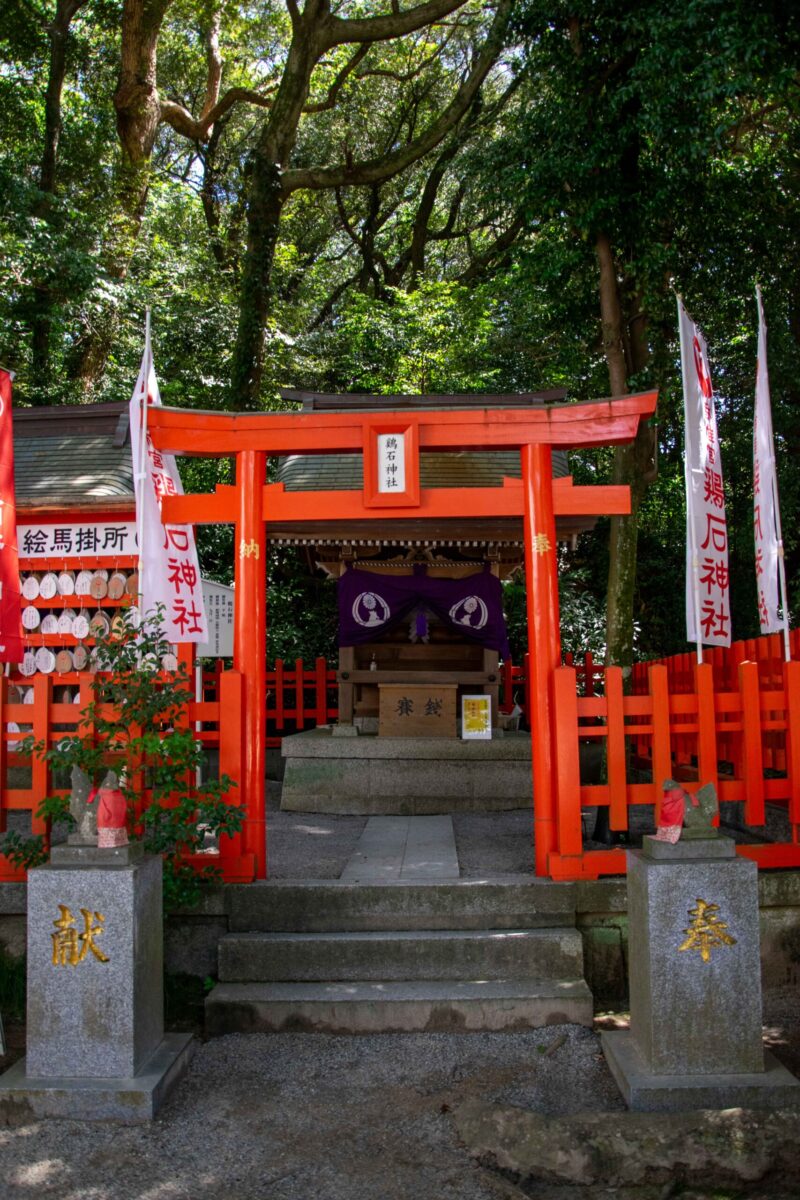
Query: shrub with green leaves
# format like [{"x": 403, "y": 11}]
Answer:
[{"x": 138, "y": 725}]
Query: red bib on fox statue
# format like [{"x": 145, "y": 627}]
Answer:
[
  {"x": 673, "y": 800},
  {"x": 112, "y": 812}
]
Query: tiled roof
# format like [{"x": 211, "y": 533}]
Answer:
[
  {"x": 68, "y": 456},
  {"x": 464, "y": 468}
]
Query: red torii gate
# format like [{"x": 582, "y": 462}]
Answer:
[{"x": 252, "y": 504}]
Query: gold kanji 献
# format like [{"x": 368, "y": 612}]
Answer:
[{"x": 70, "y": 946}]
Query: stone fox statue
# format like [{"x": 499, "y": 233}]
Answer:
[
  {"x": 693, "y": 813},
  {"x": 99, "y": 813},
  {"x": 83, "y": 809}
]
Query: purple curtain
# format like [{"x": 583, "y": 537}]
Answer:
[{"x": 370, "y": 603}]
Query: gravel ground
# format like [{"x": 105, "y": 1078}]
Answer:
[
  {"x": 301, "y": 1116},
  {"x": 494, "y": 843},
  {"x": 316, "y": 1117}
]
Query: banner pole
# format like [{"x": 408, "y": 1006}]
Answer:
[
  {"x": 141, "y": 473},
  {"x": 689, "y": 487},
  {"x": 781, "y": 571},
  {"x": 776, "y": 507}
]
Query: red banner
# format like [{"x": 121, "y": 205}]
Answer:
[{"x": 11, "y": 648}]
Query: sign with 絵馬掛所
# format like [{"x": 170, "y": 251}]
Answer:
[{"x": 78, "y": 539}]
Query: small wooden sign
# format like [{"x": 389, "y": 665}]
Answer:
[
  {"x": 476, "y": 717},
  {"x": 417, "y": 710}
]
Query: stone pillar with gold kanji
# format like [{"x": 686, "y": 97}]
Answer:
[
  {"x": 695, "y": 1038},
  {"x": 95, "y": 1046}
]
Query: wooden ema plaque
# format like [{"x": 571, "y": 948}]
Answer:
[{"x": 417, "y": 710}]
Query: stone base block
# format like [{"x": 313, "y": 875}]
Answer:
[
  {"x": 643, "y": 1091},
  {"x": 130, "y": 1101},
  {"x": 328, "y": 771}
]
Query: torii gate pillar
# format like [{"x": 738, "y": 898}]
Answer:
[
  {"x": 544, "y": 642},
  {"x": 250, "y": 645}
]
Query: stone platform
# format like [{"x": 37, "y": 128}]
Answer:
[
  {"x": 126, "y": 1100},
  {"x": 368, "y": 774}
]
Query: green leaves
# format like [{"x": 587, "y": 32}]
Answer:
[{"x": 138, "y": 725}]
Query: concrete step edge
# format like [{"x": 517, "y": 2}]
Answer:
[
  {"x": 397, "y": 1007},
  {"x": 378, "y": 991},
  {"x": 256, "y": 937}
]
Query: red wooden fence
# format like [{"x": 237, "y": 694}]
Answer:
[
  {"x": 691, "y": 727},
  {"x": 735, "y": 721},
  {"x": 292, "y": 708},
  {"x": 218, "y": 722}
]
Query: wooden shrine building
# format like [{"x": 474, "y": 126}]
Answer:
[{"x": 424, "y": 650}]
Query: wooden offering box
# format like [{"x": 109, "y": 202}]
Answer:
[{"x": 417, "y": 710}]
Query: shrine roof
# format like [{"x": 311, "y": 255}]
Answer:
[
  {"x": 397, "y": 402},
  {"x": 72, "y": 456},
  {"x": 464, "y": 468}
]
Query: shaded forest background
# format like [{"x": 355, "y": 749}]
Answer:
[{"x": 438, "y": 197}]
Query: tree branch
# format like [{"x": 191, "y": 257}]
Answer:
[
  {"x": 343, "y": 217},
  {"x": 330, "y": 303},
  {"x": 214, "y": 60},
  {"x": 378, "y": 169},
  {"x": 406, "y": 76},
  {"x": 183, "y": 122},
  {"x": 381, "y": 29},
  {"x": 339, "y": 82},
  {"x": 498, "y": 247}
]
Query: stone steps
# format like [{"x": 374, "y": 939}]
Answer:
[
  {"x": 516, "y": 902},
  {"x": 412, "y": 1006},
  {"x": 339, "y": 957},
  {"x": 392, "y": 955}
]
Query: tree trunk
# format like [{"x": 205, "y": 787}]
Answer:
[
  {"x": 263, "y": 222},
  {"x": 633, "y": 464},
  {"x": 138, "y": 111},
  {"x": 265, "y": 204},
  {"x": 41, "y": 299}
]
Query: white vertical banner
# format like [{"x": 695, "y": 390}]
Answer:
[
  {"x": 766, "y": 513},
  {"x": 169, "y": 573},
  {"x": 708, "y": 614}
]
